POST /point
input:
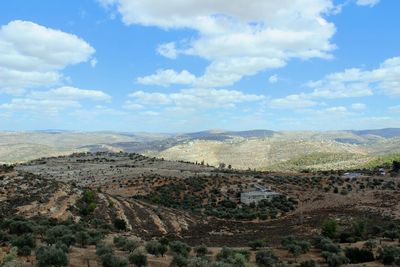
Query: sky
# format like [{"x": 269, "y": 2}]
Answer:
[{"x": 192, "y": 65}]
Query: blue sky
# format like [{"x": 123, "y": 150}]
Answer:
[{"x": 149, "y": 65}]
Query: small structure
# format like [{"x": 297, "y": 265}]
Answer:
[{"x": 257, "y": 196}]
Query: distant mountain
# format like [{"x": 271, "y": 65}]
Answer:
[
  {"x": 260, "y": 149},
  {"x": 220, "y": 135},
  {"x": 386, "y": 133}
]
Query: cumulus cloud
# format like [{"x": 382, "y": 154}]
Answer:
[
  {"x": 32, "y": 55},
  {"x": 238, "y": 38},
  {"x": 168, "y": 77},
  {"x": 356, "y": 82},
  {"x": 370, "y": 3},
  {"x": 54, "y": 100},
  {"x": 195, "y": 99}
]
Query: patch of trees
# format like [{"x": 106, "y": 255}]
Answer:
[
  {"x": 87, "y": 203},
  {"x": 55, "y": 237}
]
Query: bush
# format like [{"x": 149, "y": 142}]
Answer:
[
  {"x": 25, "y": 243},
  {"x": 120, "y": 224},
  {"x": 201, "y": 250},
  {"x": 325, "y": 244},
  {"x": 295, "y": 246},
  {"x": 154, "y": 248},
  {"x": 370, "y": 245},
  {"x": 138, "y": 258},
  {"x": 20, "y": 227},
  {"x": 87, "y": 203},
  {"x": 180, "y": 248},
  {"x": 257, "y": 244},
  {"x": 103, "y": 249},
  {"x": 266, "y": 258},
  {"x": 82, "y": 238},
  {"x": 334, "y": 260},
  {"x": 60, "y": 233},
  {"x": 51, "y": 256},
  {"x": 179, "y": 261},
  {"x": 356, "y": 255},
  {"x": 391, "y": 234},
  {"x": 329, "y": 228},
  {"x": 120, "y": 241},
  {"x": 200, "y": 262},
  {"x": 130, "y": 245},
  {"x": 390, "y": 255},
  {"x": 10, "y": 259},
  {"x": 309, "y": 263},
  {"x": 110, "y": 260}
]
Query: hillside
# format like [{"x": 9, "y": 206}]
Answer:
[
  {"x": 88, "y": 200},
  {"x": 255, "y": 149}
]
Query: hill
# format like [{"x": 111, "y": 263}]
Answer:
[{"x": 255, "y": 149}]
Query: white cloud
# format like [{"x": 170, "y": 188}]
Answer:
[
  {"x": 238, "y": 37},
  {"x": 358, "y": 106},
  {"x": 357, "y": 82},
  {"x": 168, "y": 50},
  {"x": 45, "y": 106},
  {"x": 370, "y": 3},
  {"x": 273, "y": 79},
  {"x": 195, "y": 99},
  {"x": 292, "y": 102},
  {"x": 336, "y": 110},
  {"x": 54, "y": 101},
  {"x": 71, "y": 93},
  {"x": 32, "y": 55},
  {"x": 168, "y": 77},
  {"x": 131, "y": 105},
  {"x": 349, "y": 83}
]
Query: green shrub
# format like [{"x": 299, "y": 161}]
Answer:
[
  {"x": 110, "y": 260},
  {"x": 103, "y": 249},
  {"x": 120, "y": 241},
  {"x": 138, "y": 258},
  {"x": 180, "y": 248},
  {"x": 179, "y": 261},
  {"x": 130, "y": 245},
  {"x": 334, "y": 260},
  {"x": 257, "y": 244},
  {"x": 20, "y": 227},
  {"x": 309, "y": 263},
  {"x": 329, "y": 228},
  {"x": 82, "y": 238},
  {"x": 120, "y": 224},
  {"x": 51, "y": 256},
  {"x": 10, "y": 259},
  {"x": 356, "y": 255},
  {"x": 201, "y": 250},
  {"x": 326, "y": 244},
  {"x": 153, "y": 248},
  {"x": 60, "y": 233},
  {"x": 266, "y": 258},
  {"x": 87, "y": 203},
  {"x": 390, "y": 255},
  {"x": 25, "y": 243}
]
